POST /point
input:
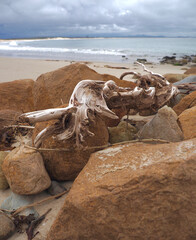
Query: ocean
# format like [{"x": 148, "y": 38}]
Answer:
[{"x": 99, "y": 49}]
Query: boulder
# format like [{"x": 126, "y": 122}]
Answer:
[
  {"x": 25, "y": 171},
  {"x": 123, "y": 132},
  {"x": 17, "y": 95},
  {"x": 66, "y": 164},
  {"x": 163, "y": 126},
  {"x": 173, "y": 77},
  {"x": 191, "y": 71},
  {"x": 3, "y": 182},
  {"x": 132, "y": 191},
  {"x": 187, "y": 121},
  {"x": 53, "y": 88},
  {"x": 7, "y": 226},
  {"x": 188, "y": 101}
]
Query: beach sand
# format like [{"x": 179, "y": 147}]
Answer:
[{"x": 20, "y": 68}]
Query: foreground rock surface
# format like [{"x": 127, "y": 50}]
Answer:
[
  {"x": 7, "y": 227},
  {"x": 133, "y": 191},
  {"x": 17, "y": 95},
  {"x": 163, "y": 126},
  {"x": 25, "y": 172},
  {"x": 53, "y": 88},
  {"x": 188, "y": 101},
  {"x": 66, "y": 164},
  {"x": 187, "y": 121}
]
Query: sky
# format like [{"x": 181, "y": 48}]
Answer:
[{"x": 97, "y": 18}]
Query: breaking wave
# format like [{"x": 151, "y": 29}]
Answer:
[{"x": 13, "y": 46}]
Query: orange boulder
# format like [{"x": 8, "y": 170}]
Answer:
[
  {"x": 17, "y": 95},
  {"x": 187, "y": 121},
  {"x": 132, "y": 191},
  {"x": 53, "y": 88}
]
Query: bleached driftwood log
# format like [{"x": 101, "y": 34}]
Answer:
[{"x": 91, "y": 98}]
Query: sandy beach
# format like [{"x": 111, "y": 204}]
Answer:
[{"x": 20, "y": 68}]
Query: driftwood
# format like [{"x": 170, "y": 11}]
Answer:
[{"x": 91, "y": 98}]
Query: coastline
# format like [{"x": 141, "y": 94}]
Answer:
[{"x": 22, "y": 68}]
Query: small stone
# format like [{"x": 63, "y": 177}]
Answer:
[
  {"x": 163, "y": 126},
  {"x": 7, "y": 226},
  {"x": 25, "y": 171},
  {"x": 55, "y": 188},
  {"x": 123, "y": 132},
  {"x": 3, "y": 182}
]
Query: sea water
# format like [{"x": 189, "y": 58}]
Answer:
[{"x": 99, "y": 49}]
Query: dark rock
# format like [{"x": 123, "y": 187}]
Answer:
[
  {"x": 163, "y": 126},
  {"x": 141, "y": 60},
  {"x": 7, "y": 226},
  {"x": 168, "y": 59}
]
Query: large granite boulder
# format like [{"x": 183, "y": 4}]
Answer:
[
  {"x": 132, "y": 191},
  {"x": 53, "y": 88},
  {"x": 25, "y": 172},
  {"x": 163, "y": 126},
  {"x": 3, "y": 182},
  {"x": 17, "y": 95},
  {"x": 187, "y": 121},
  {"x": 188, "y": 101},
  {"x": 65, "y": 161}
]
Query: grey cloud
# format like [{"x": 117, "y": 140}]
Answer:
[{"x": 34, "y": 18}]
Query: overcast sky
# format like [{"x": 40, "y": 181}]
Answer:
[{"x": 40, "y": 18}]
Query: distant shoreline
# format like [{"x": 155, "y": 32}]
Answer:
[{"x": 72, "y": 38}]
